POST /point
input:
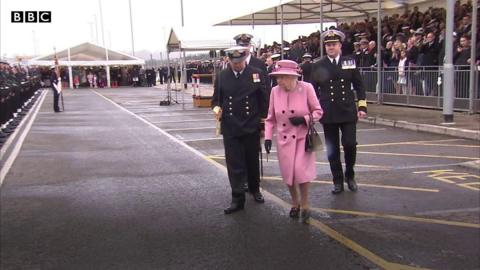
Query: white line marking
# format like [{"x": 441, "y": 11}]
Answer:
[
  {"x": 184, "y": 121},
  {"x": 171, "y": 137},
  {"x": 203, "y": 140},
  {"x": 156, "y": 114},
  {"x": 187, "y": 129},
  {"x": 16, "y": 149},
  {"x": 363, "y": 130},
  {"x": 449, "y": 211},
  {"x": 371, "y": 129}
]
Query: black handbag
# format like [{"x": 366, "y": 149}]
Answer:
[{"x": 313, "y": 142}]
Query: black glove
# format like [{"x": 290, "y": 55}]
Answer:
[
  {"x": 268, "y": 146},
  {"x": 297, "y": 120}
]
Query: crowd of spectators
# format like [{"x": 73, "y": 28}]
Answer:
[
  {"x": 413, "y": 40},
  {"x": 418, "y": 33}
]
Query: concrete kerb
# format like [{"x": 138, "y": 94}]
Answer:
[{"x": 455, "y": 132}]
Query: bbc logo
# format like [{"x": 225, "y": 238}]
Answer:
[{"x": 31, "y": 16}]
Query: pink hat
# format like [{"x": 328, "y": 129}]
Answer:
[{"x": 286, "y": 67}]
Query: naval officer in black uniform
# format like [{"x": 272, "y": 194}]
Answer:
[
  {"x": 55, "y": 82},
  {"x": 335, "y": 79},
  {"x": 306, "y": 67},
  {"x": 245, "y": 40},
  {"x": 239, "y": 102}
]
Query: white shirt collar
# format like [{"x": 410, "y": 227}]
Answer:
[
  {"x": 336, "y": 59},
  {"x": 239, "y": 73}
]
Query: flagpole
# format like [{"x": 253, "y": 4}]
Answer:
[{"x": 131, "y": 26}]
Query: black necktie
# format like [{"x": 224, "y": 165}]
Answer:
[
  {"x": 237, "y": 75},
  {"x": 334, "y": 61}
]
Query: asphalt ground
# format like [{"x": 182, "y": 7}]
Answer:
[{"x": 119, "y": 182}]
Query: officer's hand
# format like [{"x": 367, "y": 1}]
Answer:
[
  {"x": 361, "y": 114},
  {"x": 218, "y": 113},
  {"x": 268, "y": 146},
  {"x": 297, "y": 120}
]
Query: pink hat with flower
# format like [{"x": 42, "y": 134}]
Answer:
[{"x": 286, "y": 67}]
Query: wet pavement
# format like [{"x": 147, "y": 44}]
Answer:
[{"x": 119, "y": 182}]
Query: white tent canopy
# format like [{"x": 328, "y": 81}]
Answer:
[
  {"x": 191, "y": 39},
  {"x": 87, "y": 54}
]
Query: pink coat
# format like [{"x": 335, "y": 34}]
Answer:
[{"x": 296, "y": 165}]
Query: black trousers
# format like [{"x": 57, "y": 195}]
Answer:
[
  {"x": 56, "y": 95},
  {"x": 241, "y": 154},
  {"x": 349, "y": 143}
]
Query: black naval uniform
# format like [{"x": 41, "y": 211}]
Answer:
[
  {"x": 56, "y": 95},
  {"x": 333, "y": 84},
  {"x": 243, "y": 101},
  {"x": 307, "y": 71}
]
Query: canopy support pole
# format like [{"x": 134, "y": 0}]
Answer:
[
  {"x": 379, "y": 53},
  {"x": 281, "y": 31},
  {"x": 70, "y": 79},
  {"x": 473, "y": 59},
  {"x": 448, "y": 69},
  {"x": 321, "y": 28}
]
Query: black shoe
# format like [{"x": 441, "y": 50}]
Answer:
[
  {"x": 258, "y": 197},
  {"x": 352, "y": 185},
  {"x": 8, "y": 130},
  {"x": 305, "y": 215},
  {"x": 234, "y": 207},
  {"x": 295, "y": 212},
  {"x": 337, "y": 189},
  {"x": 245, "y": 187}
]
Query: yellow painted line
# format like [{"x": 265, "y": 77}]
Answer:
[
  {"x": 350, "y": 244},
  {"x": 471, "y": 186},
  {"x": 397, "y": 217},
  {"x": 416, "y": 155},
  {"x": 446, "y": 176},
  {"x": 408, "y": 142},
  {"x": 277, "y": 178},
  {"x": 438, "y": 172},
  {"x": 317, "y": 162}
]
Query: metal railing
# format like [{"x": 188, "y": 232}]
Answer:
[{"x": 420, "y": 86}]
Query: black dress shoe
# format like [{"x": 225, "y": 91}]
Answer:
[
  {"x": 305, "y": 215},
  {"x": 337, "y": 189},
  {"x": 234, "y": 207},
  {"x": 295, "y": 212},
  {"x": 352, "y": 185},
  {"x": 245, "y": 187},
  {"x": 258, "y": 197}
]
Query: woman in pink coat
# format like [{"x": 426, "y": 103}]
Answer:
[{"x": 292, "y": 103}]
